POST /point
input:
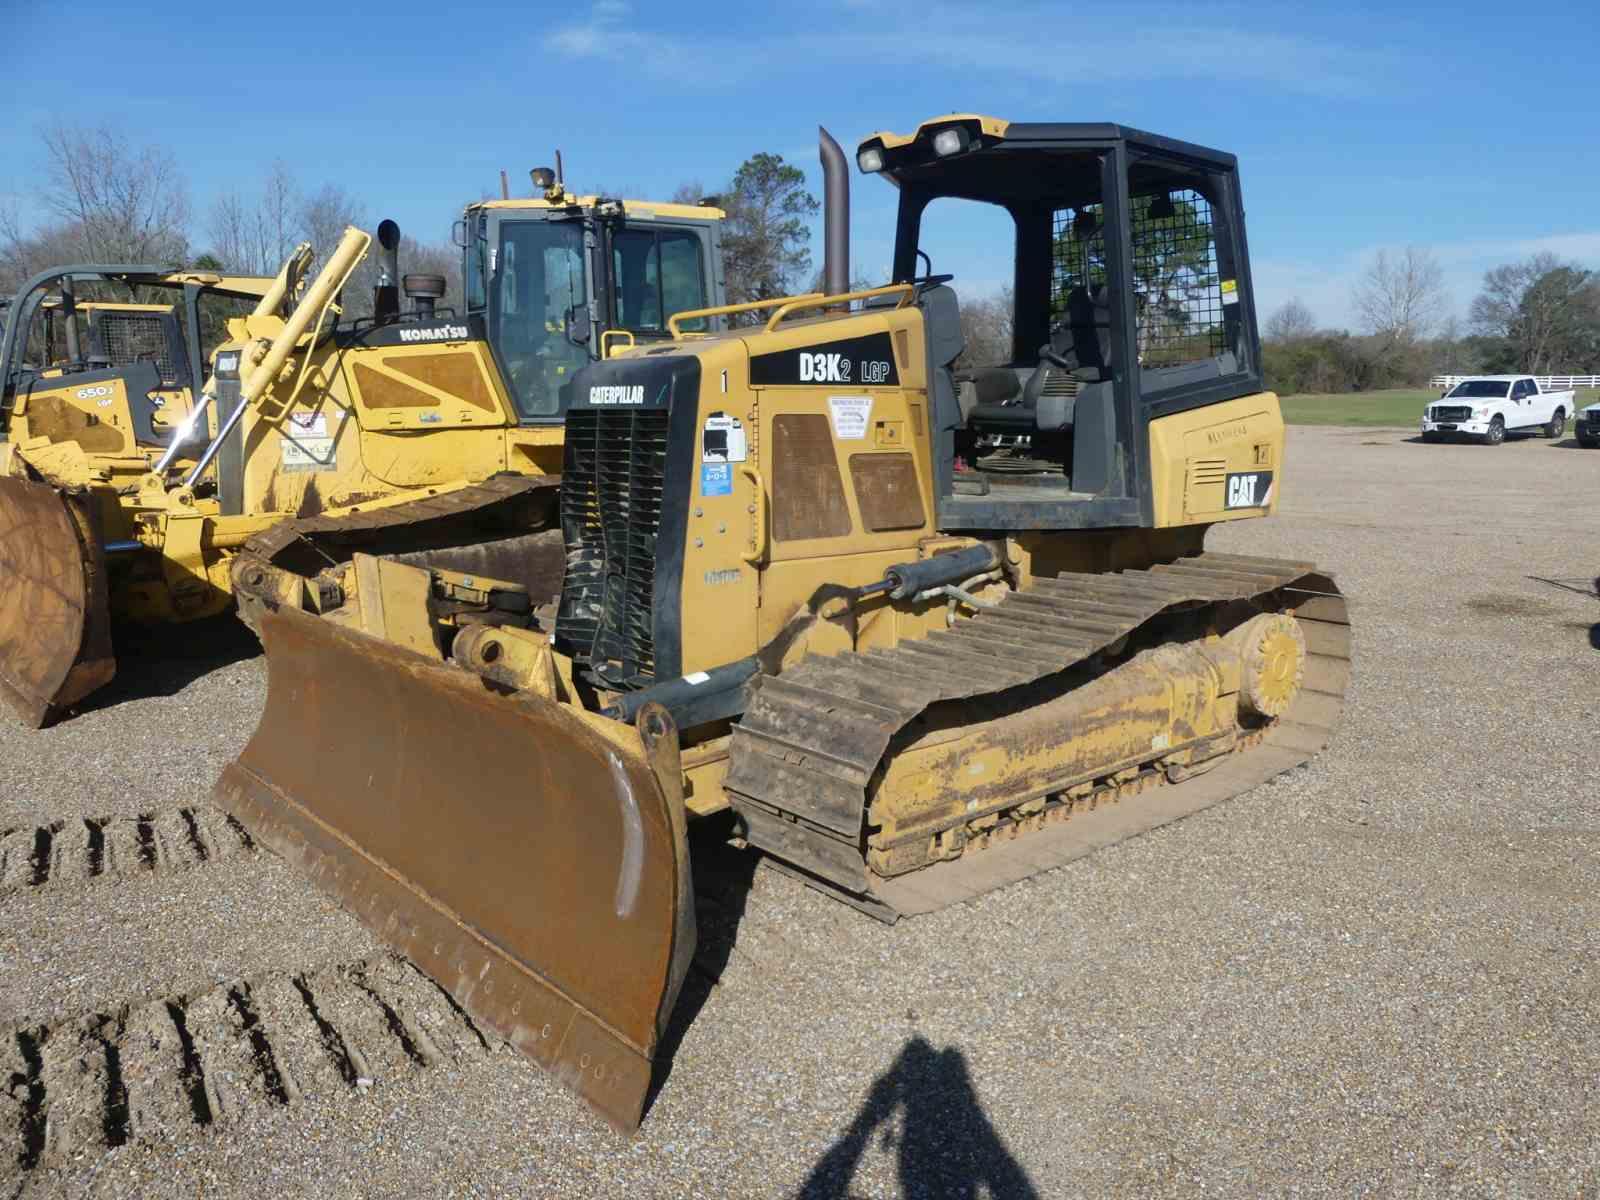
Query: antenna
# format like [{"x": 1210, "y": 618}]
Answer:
[{"x": 560, "y": 179}]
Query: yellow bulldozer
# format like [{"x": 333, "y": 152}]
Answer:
[
  {"x": 313, "y": 438},
  {"x": 922, "y": 626}
]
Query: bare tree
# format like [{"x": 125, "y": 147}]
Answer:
[
  {"x": 1291, "y": 321},
  {"x": 1401, "y": 298},
  {"x": 986, "y": 324},
  {"x": 326, "y": 213},
  {"x": 120, "y": 203},
  {"x": 231, "y": 230},
  {"x": 279, "y": 213}
]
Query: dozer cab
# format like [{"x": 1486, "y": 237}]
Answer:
[
  {"x": 925, "y": 626},
  {"x": 427, "y": 429}
]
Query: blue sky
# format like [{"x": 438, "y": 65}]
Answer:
[{"x": 1471, "y": 128}]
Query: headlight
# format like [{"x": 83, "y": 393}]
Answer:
[
  {"x": 949, "y": 141},
  {"x": 228, "y": 362},
  {"x": 870, "y": 160}
]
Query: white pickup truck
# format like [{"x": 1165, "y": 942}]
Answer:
[
  {"x": 1587, "y": 427},
  {"x": 1488, "y": 407}
]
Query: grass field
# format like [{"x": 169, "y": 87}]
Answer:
[{"x": 1396, "y": 407}]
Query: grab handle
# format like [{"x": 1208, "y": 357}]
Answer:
[{"x": 759, "y": 509}]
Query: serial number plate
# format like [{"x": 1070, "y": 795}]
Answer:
[{"x": 1248, "y": 489}]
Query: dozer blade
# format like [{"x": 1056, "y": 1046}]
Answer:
[
  {"x": 531, "y": 859},
  {"x": 55, "y": 623}
]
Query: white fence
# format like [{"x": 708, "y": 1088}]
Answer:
[{"x": 1547, "y": 383}]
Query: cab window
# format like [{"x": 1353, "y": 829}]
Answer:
[
  {"x": 538, "y": 283},
  {"x": 656, "y": 273},
  {"x": 1186, "y": 298}
]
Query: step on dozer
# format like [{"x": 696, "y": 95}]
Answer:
[{"x": 924, "y": 631}]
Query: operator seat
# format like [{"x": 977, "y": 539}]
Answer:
[{"x": 1080, "y": 350}]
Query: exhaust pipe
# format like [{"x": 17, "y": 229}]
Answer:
[
  {"x": 386, "y": 294},
  {"x": 835, "y": 215},
  {"x": 69, "y": 319}
]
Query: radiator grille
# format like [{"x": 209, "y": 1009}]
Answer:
[{"x": 611, "y": 491}]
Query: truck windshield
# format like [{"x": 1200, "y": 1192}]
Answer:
[
  {"x": 1490, "y": 388},
  {"x": 538, "y": 281}
]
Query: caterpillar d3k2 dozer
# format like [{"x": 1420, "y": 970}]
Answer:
[
  {"x": 924, "y": 630},
  {"x": 425, "y": 433}
]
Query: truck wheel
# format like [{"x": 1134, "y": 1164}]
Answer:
[
  {"x": 1558, "y": 424},
  {"x": 1496, "y": 434}
]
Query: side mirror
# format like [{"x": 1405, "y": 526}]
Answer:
[
  {"x": 578, "y": 329},
  {"x": 458, "y": 234}
]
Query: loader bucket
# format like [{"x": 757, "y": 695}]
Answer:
[
  {"x": 531, "y": 858},
  {"x": 55, "y": 622}
]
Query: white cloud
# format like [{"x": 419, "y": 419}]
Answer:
[{"x": 990, "y": 44}]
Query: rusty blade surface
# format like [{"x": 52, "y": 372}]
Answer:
[
  {"x": 55, "y": 626},
  {"x": 525, "y": 857}
]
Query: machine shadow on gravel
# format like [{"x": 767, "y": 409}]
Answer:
[
  {"x": 154, "y": 662},
  {"x": 947, "y": 1147}
]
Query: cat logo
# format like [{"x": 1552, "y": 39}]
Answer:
[{"x": 1248, "y": 489}]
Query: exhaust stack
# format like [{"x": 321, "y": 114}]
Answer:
[
  {"x": 386, "y": 293},
  {"x": 424, "y": 291},
  {"x": 835, "y": 215}
]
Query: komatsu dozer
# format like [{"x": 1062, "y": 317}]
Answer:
[
  {"x": 424, "y": 431},
  {"x": 925, "y": 626}
]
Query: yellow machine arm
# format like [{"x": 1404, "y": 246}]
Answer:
[{"x": 263, "y": 359}]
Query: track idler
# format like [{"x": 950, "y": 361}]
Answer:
[
  {"x": 55, "y": 623},
  {"x": 530, "y": 857}
]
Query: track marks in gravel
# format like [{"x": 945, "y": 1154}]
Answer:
[
  {"x": 65, "y": 853},
  {"x": 160, "y": 1067}
]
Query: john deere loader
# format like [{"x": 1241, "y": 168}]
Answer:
[
  {"x": 428, "y": 430},
  {"x": 926, "y": 627}
]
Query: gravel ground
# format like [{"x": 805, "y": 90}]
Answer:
[{"x": 1374, "y": 975}]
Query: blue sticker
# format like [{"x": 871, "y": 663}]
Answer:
[{"x": 716, "y": 479}]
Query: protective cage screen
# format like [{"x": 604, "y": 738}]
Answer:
[
  {"x": 1078, "y": 256},
  {"x": 135, "y": 337},
  {"x": 1177, "y": 290}
]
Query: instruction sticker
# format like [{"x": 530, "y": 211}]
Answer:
[
  {"x": 1230, "y": 291},
  {"x": 716, "y": 479},
  {"x": 307, "y": 444},
  {"x": 723, "y": 439},
  {"x": 850, "y": 416}
]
